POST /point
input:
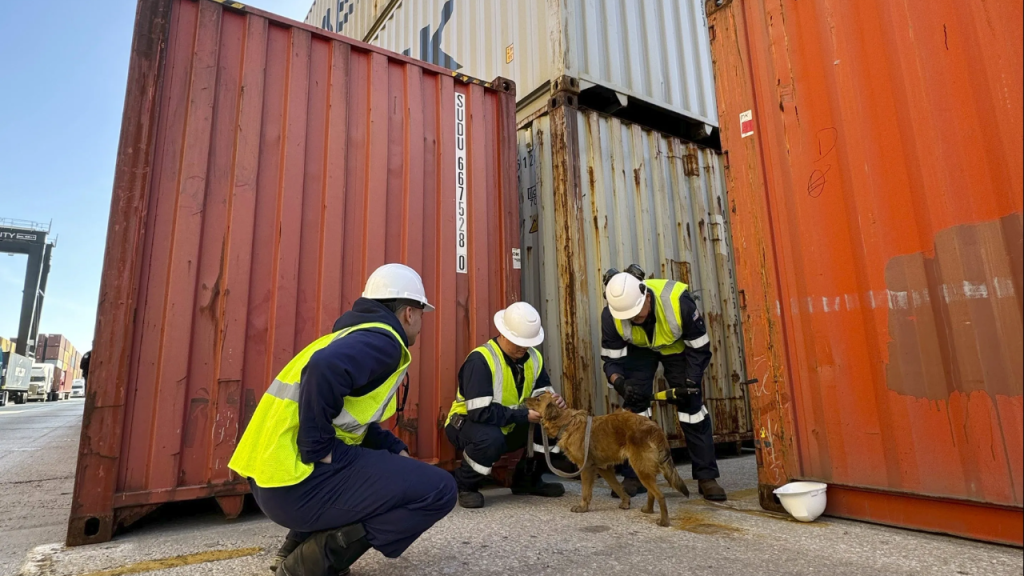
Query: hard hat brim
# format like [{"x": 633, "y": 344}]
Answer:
[
  {"x": 499, "y": 323},
  {"x": 628, "y": 314}
]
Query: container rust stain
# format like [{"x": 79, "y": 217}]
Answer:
[
  {"x": 878, "y": 240},
  {"x": 265, "y": 169}
]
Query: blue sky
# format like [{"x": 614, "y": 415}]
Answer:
[{"x": 63, "y": 67}]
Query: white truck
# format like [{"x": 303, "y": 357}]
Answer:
[
  {"x": 40, "y": 386},
  {"x": 78, "y": 388}
]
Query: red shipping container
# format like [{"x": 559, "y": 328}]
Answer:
[
  {"x": 875, "y": 174},
  {"x": 265, "y": 169}
]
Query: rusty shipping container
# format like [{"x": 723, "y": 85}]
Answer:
[
  {"x": 875, "y": 154},
  {"x": 597, "y": 192},
  {"x": 265, "y": 168}
]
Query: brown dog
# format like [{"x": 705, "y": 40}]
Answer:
[{"x": 613, "y": 439}]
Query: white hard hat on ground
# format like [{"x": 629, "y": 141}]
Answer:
[
  {"x": 520, "y": 323},
  {"x": 396, "y": 281},
  {"x": 625, "y": 296}
]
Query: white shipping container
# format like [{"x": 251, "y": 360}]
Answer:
[
  {"x": 656, "y": 51},
  {"x": 350, "y": 18}
]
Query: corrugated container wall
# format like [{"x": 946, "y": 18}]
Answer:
[
  {"x": 265, "y": 169},
  {"x": 643, "y": 198},
  {"x": 877, "y": 173},
  {"x": 656, "y": 50}
]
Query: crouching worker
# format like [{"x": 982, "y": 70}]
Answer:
[
  {"x": 317, "y": 459},
  {"x": 488, "y": 419}
]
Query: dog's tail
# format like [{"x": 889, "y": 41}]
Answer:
[{"x": 668, "y": 470}]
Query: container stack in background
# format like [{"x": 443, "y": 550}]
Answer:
[
  {"x": 619, "y": 163},
  {"x": 57, "y": 350}
]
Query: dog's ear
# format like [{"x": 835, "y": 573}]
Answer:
[{"x": 551, "y": 411}]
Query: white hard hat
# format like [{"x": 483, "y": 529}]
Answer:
[
  {"x": 393, "y": 281},
  {"x": 625, "y": 296},
  {"x": 520, "y": 323}
]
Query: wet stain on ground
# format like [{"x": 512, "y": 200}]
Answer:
[
  {"x": 177, "y": 561},
  {"x": 702, "y": 523}
]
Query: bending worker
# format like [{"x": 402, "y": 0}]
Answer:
[
  {"x": 316, "y": 457},
  {"x": 657, "y": 321},
  {"x": 487, "y": 419}
]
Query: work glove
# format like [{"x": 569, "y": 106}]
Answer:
[
  {"x": 620, "y": 386},
  {"x": 638, "y": 395}
]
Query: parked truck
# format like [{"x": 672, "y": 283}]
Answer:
[
  {"x": 47, "y": 383},
  {"x": 15, "y": 374}
]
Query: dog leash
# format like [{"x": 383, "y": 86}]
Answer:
[{"x": 547, "y": 450}]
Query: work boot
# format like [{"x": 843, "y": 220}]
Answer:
[
  {"x": 327, "y": 553},
  {"x": 632, "y": 486},
  {"x": 529, "y": 480},
  {"x": 471, "y": 499},
  {"x": 710, "y": 489},
  {"x": 283, "y": 552}
]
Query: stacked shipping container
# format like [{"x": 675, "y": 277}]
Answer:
[
  {"x": 596, "y": 192},
  {"x": 655, "y": 51},
  {"x": 57, "y": 350}
]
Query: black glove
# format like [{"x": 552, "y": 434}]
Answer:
[
  {"x": 638, "y": 396},
  {"x": 620, "y": 386}
]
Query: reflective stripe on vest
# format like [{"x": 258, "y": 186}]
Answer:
[
  {"x": 268, "y": 451},
  {"x": 668, "y": 329},
  {"x": 500, "y": 374}
]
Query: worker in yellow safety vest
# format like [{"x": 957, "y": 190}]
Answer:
[
  {"x": 488, "y": 419},
  {"x": 651, "y": 322},
  {"x": 315, "y": 455}
]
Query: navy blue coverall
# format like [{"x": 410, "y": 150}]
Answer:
[
  {"x": 395, "y": 498},
  {"x": 638, "y": 365}
]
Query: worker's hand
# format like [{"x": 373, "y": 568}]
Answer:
[
  {"x": 559, "y": 401},
  {"x": 533, "y": 417},
  {"x": 404, "y": 453}
]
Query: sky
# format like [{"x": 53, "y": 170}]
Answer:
[{"x": 63, "y": 68}]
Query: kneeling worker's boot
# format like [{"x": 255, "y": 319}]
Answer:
[
  {"x": 529, "y": 480},
  {"x": 283, "y": 552},
  {"x": 471, "y": 498},
  {"x": 710, "y": 489},
  {"x": 327, "y": 553},
  {"x": 468, "y": 481}
]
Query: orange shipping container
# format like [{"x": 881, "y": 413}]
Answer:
[
  {"x": 265, "y": 169},
  {"x": 875, "y": 172}
]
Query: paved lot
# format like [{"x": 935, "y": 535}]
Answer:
[
  {"x": 512, "y": 535},
  {"x": 38, "y": 448}
]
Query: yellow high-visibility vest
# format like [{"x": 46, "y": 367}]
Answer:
[
  {"x": 268, "y": 451},
  {"x": 668, "y": 327},
  {"x": 503, "y": 383}
]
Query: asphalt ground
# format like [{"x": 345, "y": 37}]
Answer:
[{"x": 511, "y": 535}]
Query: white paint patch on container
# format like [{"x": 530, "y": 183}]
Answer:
[
  {"x": 975, "y": 291},
  {"x": 898, "y": 300},
  {"x": 1004, "y": 287}
]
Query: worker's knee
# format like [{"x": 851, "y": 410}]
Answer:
[
  {"x": 486, "y": 444},
  {"x": 449, "y": 494},
  {"x": 443, "y": 497}
]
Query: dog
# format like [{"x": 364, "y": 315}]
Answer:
[{"x": 613, "y": 438}]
